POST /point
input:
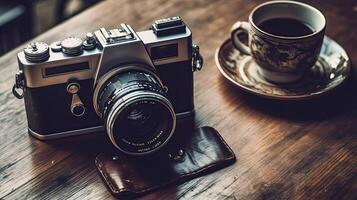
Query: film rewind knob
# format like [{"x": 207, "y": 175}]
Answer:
[
  {"x": 77, "y": 107},
  {"x": 37, "y": 52}
]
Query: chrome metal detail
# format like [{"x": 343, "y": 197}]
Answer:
[
  {"x": 131, "y": 51},
  {"x": 19, "y": 85},
  {"x": 77, "y": 107},
  {"x": 63, "y": 134},
  {"x": 37, "y": 52},
  {"x": 181, "y": 39},
  {"x": 56, "y": 46},
  {"x": 132, "y": 98},
  {"x": 184, "y": 114},
  {"x": 178, "y": 156},
  {"x": 90, "y": 42},
  {"x": 105, "y": 77},
  {"x": 103, "y": 58},
  {"x": 34, "y": 72},
  {"x": 117, "y": 35},
  {"x": 197, "y": 59},
  {"x": 72, "y": 46},
  {"x": 115, "y": 158}
]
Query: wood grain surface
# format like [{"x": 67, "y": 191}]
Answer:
[{"x": 285, "y": 150}]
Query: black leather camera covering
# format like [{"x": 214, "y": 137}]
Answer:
[
  {"x": 197, "y": 154},
  {"x": 178, "y": 77},
  {"x": 48, "y": 108}
]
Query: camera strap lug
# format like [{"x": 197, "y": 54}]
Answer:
[
  {"x": 197, "y": 59},
  {"x": 19, "y": 85}
]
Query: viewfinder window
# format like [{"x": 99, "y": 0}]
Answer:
[
  {"x": 64, "y": 69},
  {"x": 165, "y": 51}
]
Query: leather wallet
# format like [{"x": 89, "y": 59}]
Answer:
[{"x": 195, "y": 154}]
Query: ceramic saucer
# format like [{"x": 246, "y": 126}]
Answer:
[{"x": 331, "y": 69}]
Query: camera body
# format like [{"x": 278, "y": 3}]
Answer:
[{"x": 63, "y": 83}]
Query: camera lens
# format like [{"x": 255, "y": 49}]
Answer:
[{"x": 138, "y": 116}]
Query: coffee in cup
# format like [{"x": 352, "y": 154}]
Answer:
[{"x": 285, "y": 39}]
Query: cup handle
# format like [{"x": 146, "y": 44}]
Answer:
[{"x": 237, "y": 29}]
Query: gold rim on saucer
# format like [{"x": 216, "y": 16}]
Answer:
[{"x": 330, "y": 71}]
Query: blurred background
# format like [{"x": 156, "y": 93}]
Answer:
[{"x": 21, "y": 20}]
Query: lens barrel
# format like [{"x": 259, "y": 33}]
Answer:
[{"x": 136, "y": 111}]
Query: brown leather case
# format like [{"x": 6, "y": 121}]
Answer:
[{"x": 196, "y": 154}]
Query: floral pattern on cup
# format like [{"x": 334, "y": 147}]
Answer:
[
  {"x": 328, "y": 73},
  {"x": 279, "y": 56},
  {"x": 282, "y": 58}
]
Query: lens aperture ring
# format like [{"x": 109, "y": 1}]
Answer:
[
  {"x": 134, "y": 97},
  {"x": 136, "y": 111},
  {"x": 105, "y": 101}
]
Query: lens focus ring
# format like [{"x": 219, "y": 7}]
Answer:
[
  {"x": 138, "y": 116},
  {"x": 153, "y": 139}
]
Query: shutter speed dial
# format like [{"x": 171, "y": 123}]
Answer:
[{"x": 72, "y": 46}]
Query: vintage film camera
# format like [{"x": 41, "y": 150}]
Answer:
[{"x": 137, "y": 86}]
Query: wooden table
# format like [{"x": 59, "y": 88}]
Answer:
[{"x": 286, "y": 150}]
